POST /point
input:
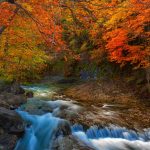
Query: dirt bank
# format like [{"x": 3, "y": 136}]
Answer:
[
  {"x": 102, "y": 91},
  {"x": 109, "y": 102}
]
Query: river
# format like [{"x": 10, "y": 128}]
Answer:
[{"x": 44, "y": 126}]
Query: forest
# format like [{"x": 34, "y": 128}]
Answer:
[
  {"x": 40, "y": 34},
  {"x": 96, "y": 52}
]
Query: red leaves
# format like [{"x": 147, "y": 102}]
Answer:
[
  {"x": 128, "y": 41},
  {"x": 113, "y": 27},
  {"x": 6, "y": 11},
  {"x": 117, "y": 39},
  {"x": 121, "y": 52}
]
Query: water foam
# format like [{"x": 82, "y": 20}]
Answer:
[{"x": 112, "y": 138}]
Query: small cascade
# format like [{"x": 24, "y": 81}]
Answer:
[
  {"x": 39, "y": 132},
  {"x": 112, "y": 138}
]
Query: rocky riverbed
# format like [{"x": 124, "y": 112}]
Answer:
[{"x": 109, "y": 102}]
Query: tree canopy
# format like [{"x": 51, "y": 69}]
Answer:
[{"x": 30, "y": 31}]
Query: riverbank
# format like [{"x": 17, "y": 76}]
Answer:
[
  {"x": 108, "y": 91},
  {"x": 109, "y": 102}
]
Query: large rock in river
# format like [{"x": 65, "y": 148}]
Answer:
[
  {"x": 10, "y": 121},
  {"x": 9, "y": 99},
  {"x": 12, "y": 95},
  {"x": 68, "y": 143},
  {"x": 11, "y": 128}
]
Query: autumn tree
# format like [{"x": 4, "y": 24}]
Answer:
[
  {"x": 29, "y": 31},
  {"x": 127, "y": 34},
  {"x": 99, "y": 30}
]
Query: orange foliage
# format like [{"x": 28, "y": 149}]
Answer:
[
  {"x": 120, "y": 28},
  {"x": 128, "y": 41}
]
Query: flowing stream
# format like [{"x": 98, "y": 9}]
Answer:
[{"x": 43, "y": 126}]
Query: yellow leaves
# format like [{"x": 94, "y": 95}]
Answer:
[
  {"x": 2, "y": 42},
  {"x": 118, "y": 17},
  {"x": 19, "y": 61},
  {"x": 27, "y": 6},
  {"x": 84, "y": 46},
  {"x": 100, "y": 20},
  {"x": 22, "y": 53},
  {"x": 107, "y": 24},
  {"x": 36, "y": 24}
]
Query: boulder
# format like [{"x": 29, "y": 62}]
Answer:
[
  {"x": 68, "y": 143},
  {"x": 11, "y": 122},
  {"x": 11, "y": 99},
  {"x": 11, "y": 128},
  {"x": 16, "y": 89},
  {"x": 12, "y": 95},
  {"x": 68, "y": 112},
  {"x": 4, "y": 103},
  {"x": 8, "y": 141},
  {"x": 63, "y": 128},
  {"x": 64, "y": 140},
  {"x": 36, "y": 107}
]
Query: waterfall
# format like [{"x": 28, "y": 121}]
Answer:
[
  {"x": 39, "y": 133},
  {"x": 112, "y": 138}
]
